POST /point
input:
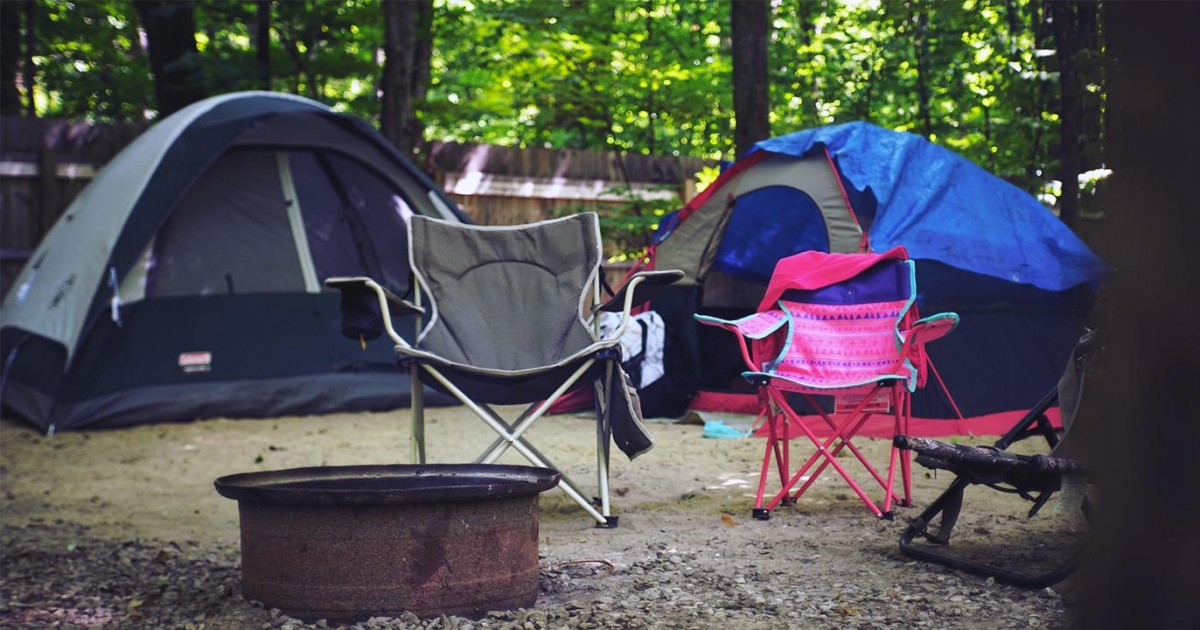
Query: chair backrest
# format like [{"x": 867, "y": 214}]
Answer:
[
  {"x": 506, "y": 298},
  {"x": 848, "y": 332}
]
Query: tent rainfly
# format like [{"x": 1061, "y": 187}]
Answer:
[
  {"x": 1021, "y": 281},
  {"x": 185, "y": 281}
]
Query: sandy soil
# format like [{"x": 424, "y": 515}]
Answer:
[{"x": 685, "y": 520}]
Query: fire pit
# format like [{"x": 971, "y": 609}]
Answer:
[{"x": 345, "y": 543}]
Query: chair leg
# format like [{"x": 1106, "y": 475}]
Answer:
[
  {"x": 828, "y": 459},
  {"x": 417, "y": 418},
  {"x": 889, "y": 492},
  {"x": 843, "y": 443},
  {"x": 840, "y": 432},
  {"x": 772, "y": 447},
  {"x": 603, "y": 440},
  {"x": 905, "y": 455},
  {"x": 948, "y": 505},
  {"x": 565, "y": 484},
  {"x": 510, "y": 436}
]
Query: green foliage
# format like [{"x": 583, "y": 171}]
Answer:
[
  {"x": 90, "y": 62},
  {"x": 641, "y": 76},
  {"x": 601, "y": 75},
  {"x": 980, "y": 61},
  {"x": 328, "y": 51},
  {"x": 629, "y": 224}
]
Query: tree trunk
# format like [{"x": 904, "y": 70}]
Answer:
[
  {"x": 408, "y": 30},
  {"x": 749, "y": 25},
  {"x": 422, "y": 61},
  {"x": 29, "y": 73},
  {"x": 1091, "y": 72},
  {"x": 806, "y": 15},
  {"x": 1070, "y": 110},
  {"x": 1143, "y": 574},
  {"x": 1041, "y": 97},
  {"x": 920, "y": 48},
  {"x": 174, "y": 61},
  {"x": 262, "y": 43},
  {"x": 10, "y": 57}
]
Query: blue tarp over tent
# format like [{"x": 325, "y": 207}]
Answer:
[
  {"x": 943, "y": 207},
  {"x": 1021, "y": 280}
]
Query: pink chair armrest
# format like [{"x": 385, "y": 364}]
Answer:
[
  {"x": 931, "y": 328},
  {"x": 756, "y": 326},
  {"x": 753, "y": 327}
]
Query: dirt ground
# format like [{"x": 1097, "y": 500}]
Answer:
[{"x": 122, "y": 528}]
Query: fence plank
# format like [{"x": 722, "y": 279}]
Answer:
[{"x": 45, "y": 163}]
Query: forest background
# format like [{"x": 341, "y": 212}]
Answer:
[{"x": 1014, "y": 85}]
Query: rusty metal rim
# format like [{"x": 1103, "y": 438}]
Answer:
[{"x": 393, "y": 484}]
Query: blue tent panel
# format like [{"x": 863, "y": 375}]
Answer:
[
  {"x": 768, "y": 224},
  {"x": 943, "y": 207}
]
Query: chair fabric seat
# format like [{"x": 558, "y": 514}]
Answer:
[{"x": 511, "y": 320}]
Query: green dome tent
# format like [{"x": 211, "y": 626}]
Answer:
[{"x": 185, "y": 281}]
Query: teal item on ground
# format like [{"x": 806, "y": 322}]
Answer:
[{"x": 719, "y": 430}]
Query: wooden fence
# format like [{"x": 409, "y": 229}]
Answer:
[
  {"x": 45, "y": 163},
  {"x": 504, "y": 185}
]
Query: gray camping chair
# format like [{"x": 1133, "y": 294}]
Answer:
[{"x": 511, "y": 321}]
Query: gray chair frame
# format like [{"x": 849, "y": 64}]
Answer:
[{"x": 423, "y": 364}]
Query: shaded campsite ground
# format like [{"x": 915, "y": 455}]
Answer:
[{"x": 123, "y": 529}]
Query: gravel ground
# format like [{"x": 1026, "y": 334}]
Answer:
[{"x": 122, "y": 529}]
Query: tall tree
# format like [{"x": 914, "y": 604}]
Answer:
[
  {"x": 749, "y": 22},
  {"x": 174, "y": 60},
  {"x": 1075, "y": 33},
  {"x": 29, "y": 76},
  {"x": 1147, "y": 411},
  {"x": 1063, "y": 17},
  {"x": 408, "y": 36},
  {"x": 262, "y": 43},
  {"x": 10, "y": 56},
  {"x": 422, "y": 70},
  {"x": 921, "y": 54}
]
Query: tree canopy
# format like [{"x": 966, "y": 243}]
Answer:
[{"x": 983, "y": 77}]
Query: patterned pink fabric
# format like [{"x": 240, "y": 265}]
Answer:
[
  {"x": 841, "y": 347},
  {"x": 760, "y": 325}
]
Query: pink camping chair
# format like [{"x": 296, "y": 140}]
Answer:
[{"x": 841, "y": 327}]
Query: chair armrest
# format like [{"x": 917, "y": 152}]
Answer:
[
  {"x": 757, "y": 326},
  {"x": 361, "y": 283},
  {"x": 625, "y": 299},
  {"x": 641, "y": 288},
  {"x": 365, "y": 311},
  {"x": 931, "y": 328}
]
